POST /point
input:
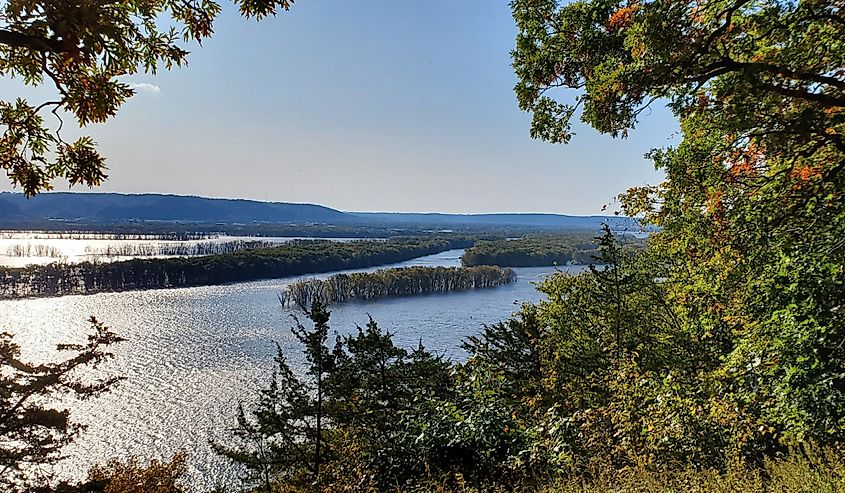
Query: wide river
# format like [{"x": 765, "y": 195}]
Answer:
[{"x": 192, "y": 354}]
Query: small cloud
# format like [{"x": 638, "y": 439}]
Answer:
[{"x": 145, "y": 87}]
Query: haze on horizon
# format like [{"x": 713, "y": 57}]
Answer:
[{"x": 360, "y": 107}]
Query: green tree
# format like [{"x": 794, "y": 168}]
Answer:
[
  {"x": 82, "y": 48},
  {"x": 750, "y": 215},
  {"x": 737, "y": 60},
  {"x": 515, "y": 350},
  {"x": 283, "y": 434},
  {"x": 339, "y": 421},
  {"x": 131, "y": 476},
  {"x": 581, "y": 371},
  {"x": 375, "y": 387},
  {"x": 33, "y": 430}
]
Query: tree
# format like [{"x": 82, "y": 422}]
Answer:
[
  {"x": 340, "y": 419},
  {"x": 283, "y": 435},
  {"x": 514, "y": 348},
  {"x": 738, "y": 59},
  {"x": 32, "y": 431},
  {"x": 750, "y": 215},
  {"x": 83, "y": 48},
  {"x": 375, "y": 387},
  {"x": 130, "y": 476}
]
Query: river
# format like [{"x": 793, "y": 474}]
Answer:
[
  {"x": 191, "y": 354},
  {"x": 20, "y": 249}
]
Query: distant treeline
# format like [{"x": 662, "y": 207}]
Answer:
[
  {"x": 291, "y": 259},
  {"x": 401, "y": 281},
  {"x": 74, "y": 234},
  {"x": 132, "y": 249},
  {"x": 532, "y": 251},
  {"x": 177, "y": 249},
  {"x": 168, "y": 229},
  {"x": 539, "y": 250},
  {"x": 30, "y": 250}
]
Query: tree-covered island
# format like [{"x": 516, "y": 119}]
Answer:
[
  {"x": 401, "y": 281},
  {"x": 289, "y": 259},
  {"x": 540, "y": 250}
]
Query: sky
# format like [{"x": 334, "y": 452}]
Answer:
[{"x": 361, "y": 106}]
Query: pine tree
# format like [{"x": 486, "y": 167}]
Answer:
[{"x": 282, "y": 435}]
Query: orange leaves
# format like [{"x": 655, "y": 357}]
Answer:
[
  {"x": 741, "y": 169},
  {"x": 622, "y": 18},
  {"x": 805, "y": 175},
  {"x": 746, "y": 162},
  {"x": 703, "y": 102},
  {"x": 718, "y": 214},
  {"x": 714, "y": 203}
]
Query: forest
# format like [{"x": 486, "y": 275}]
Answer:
[
  {"x": 711, "y": 360},
  {"x": 540, "y": 250},
  {"x": 134, "y": 249},
  {"x": 176, "y": 249},
  {"x": 290, "y": 259},
  {"x": 402, "y": 281}
]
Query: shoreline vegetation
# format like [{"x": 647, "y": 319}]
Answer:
[
  {"x": 156, "y": 230},
  {"x": 134, "y": 249},
  {"x": 400, "y": 281},
  {"x": 219, "y": 262},
  {"x": 540, "y": 250},
  {"x": 809, "y": 469},
  {"x": 102, "y": 234},
  {"x": 178, "y": 249},
  {"x": 290, "y": 259}
]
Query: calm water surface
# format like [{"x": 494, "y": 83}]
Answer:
[{"x": 193, "y": 353}]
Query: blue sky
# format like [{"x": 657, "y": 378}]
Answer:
[{"x": 376, "y": 106}]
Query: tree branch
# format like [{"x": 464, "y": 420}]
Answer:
[
  {"x": 37, "y": 43},
  {"x": 822, "y": 99},
  {"x": 726, "y": 65}
]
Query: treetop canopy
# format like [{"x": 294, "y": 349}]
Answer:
[{"x": 82, "y": 47}]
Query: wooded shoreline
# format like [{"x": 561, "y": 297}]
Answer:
[
  {"x": 291, "y": 259},
  {"x": 400, "y": 281}
]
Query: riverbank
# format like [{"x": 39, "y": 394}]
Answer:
[
  {"x": 290, "y": 259},
  {"x": 540, "y": 250}
]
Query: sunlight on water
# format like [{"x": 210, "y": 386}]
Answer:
[
  {"x": 191, "y": 354},
  {"x": 19, "y": 249}
]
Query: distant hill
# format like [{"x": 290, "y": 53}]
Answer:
[
  {"x": 113, "y": 208},
  {"x": 545, "y": 221}
]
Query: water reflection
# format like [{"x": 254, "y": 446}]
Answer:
[{"x": 193, "y": 353}]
